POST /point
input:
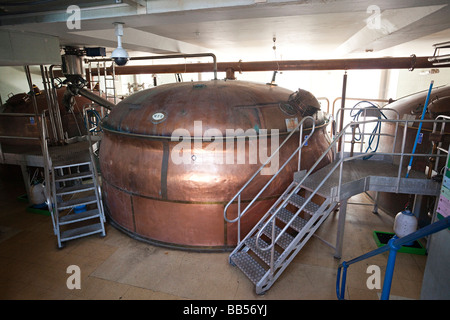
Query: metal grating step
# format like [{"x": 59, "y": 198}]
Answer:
[
  {"x": 285, "y": 215},
  {"x": 81, "y": 232},
  {"x": 298, "y": 201},
  {"x": 74, "y": 176},
  {"x": 75, "y": 189},
  {"x": 249, "y": 266},
  {"x": 77, "y": 202},
  {"x": 77, "y": 217},
  {"x": 285, "y": 239},
  {"x": 263, "y": 255}
]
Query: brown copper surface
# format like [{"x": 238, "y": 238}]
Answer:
[{"x": 154, "y": 199}]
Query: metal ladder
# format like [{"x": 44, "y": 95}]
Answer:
[
  {"x": 108, "y": 83},
  {"x": 75, "y": 185},
  {"x": 276, "y": 239},
  {"x": 74, "y": 189}
]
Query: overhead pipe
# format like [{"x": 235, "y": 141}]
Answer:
[
  {"x": 409, "y": 63},
  {"x": 172, "y": 56}
]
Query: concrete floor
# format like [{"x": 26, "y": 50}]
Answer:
[{"x": 118, "y": 267}]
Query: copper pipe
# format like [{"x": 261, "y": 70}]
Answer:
[
  {"x": 172, "y": 56},
  {"x": 287, "y": 65}
]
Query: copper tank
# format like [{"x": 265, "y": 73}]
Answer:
[
  {"x": 72, "y": 121},
  {"x": 411, "y": 107},
  {"x": 154, "y": 199}
]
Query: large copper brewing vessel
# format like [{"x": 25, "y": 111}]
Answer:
[
  {"x": 411, "y": 107},
  {"x": 71, "y": 118},
  {"x": 150, "y": 196}
]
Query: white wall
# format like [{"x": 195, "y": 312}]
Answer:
[{"x": 13, "y": 80}]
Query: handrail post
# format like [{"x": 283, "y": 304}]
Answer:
[
  {"x": 239, "y": 219},
  {"x": 389, "y": 269},
  {"x": 340, "y": 282}
]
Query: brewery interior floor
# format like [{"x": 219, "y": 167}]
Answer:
[{"x": 118, "y": 267}]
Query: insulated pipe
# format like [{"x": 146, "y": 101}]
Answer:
[
  {"x": 172, "y": 56},
  {"x": 287, "y": 65},
  {"x": 91, "y": 96}
]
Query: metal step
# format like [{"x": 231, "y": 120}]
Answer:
[
  {"x": 81, "y": 232},
  {"x": 285, "y": 215},
  {"x": 72, "y": 165},
  {"x": 77, "y": 202},
  {"x": 263, "y": 255},
  {"x": 75, "y": 189},
  {"x": 77, "y": 217},
  {"x": 74, "y": 176},
  {"x": 298, "y": 201},
  {"x": 249, "y": 266},
  {"x": 285, "y": 239}
]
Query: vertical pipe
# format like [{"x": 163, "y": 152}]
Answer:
[
  {"x": 341, "y": 120},
  {"x": 420, "y": 127},
  {"x": 49, "y": 104}
]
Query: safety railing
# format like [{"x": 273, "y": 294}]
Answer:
[
  {"x": 298, "y": 151},
  {"x": 86, "y": 110},
  {"x": 392, "y": 246},
  {"x": 371, "y": 111},
  {"x": 278, "y": 205},
  {"x": 438, "y": 146},
  {"x": 42, "y": 138}
]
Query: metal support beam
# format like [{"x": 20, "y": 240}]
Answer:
[{"x": 341, "y": 227}]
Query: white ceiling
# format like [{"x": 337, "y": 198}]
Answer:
[{"x": 243, "y": 29}]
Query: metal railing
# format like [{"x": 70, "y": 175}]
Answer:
[
  {"x": 336, "y": 197},
  {"x": 338, "y": 139},
  {"x": 42, "y": 138},
  {"x": 302, "y": 142},
  {"x": 89, "y": 130},
  {"x": 392, "y": 246}
]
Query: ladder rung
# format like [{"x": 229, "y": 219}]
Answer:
[
  {"x": 77, "y": 202},
  {"x": 75, "y": 189},
  {"x": 298, "y": 201},
  {"x": 81, "y": 232},
  {"x": 285, "y": 215},
  {"x": 263, "y": 255},
  {"x": 251, "y": 268},
  {"x": 74, "y": 176},
  {"x": 77, "y": 217}
]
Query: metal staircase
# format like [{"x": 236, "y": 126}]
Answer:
[
  {"x": 277, "y": 238},
  {"x": 75, "y": 187},
  {"x": 76, "y": 196}
]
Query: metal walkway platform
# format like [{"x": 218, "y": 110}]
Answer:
[
  {"x": 369, "y": 175},
  {"x": 32, "y": 155}
]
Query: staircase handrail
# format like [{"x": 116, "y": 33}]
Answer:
[
  {"x": 298, "y": 150},
  {"x": 339, "y": 163},
  {"x": 392, "y": 246},
  {"x": 42, "y": 138},
  {"x": 92, "y": 157}
]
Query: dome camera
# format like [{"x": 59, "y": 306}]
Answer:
[{"x": 120, "y": 56}]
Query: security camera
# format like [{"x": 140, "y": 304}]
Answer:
[{"x": 119, "y": 55}]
